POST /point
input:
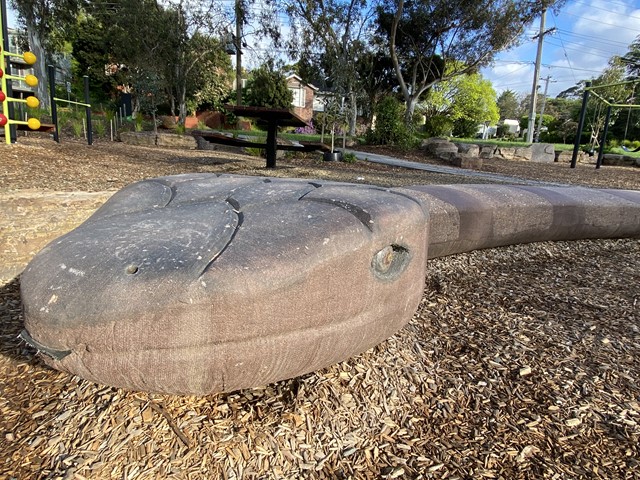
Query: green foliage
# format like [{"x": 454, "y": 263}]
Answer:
[
  {"x": 435, "y": 40},
  {"x": 464, "y": 127},
  {"x": 267, "y": 87},
  {"x": 77, "y": 127},
  {"x": 138, "y": 119},
  {"x": 349, "y": 157},
  {"x": 390, "y": 127},
  {"x": 438, "y": 126},
  {"x": 99, "y": 127},
  {"x": 508, "y": 105},
  {"x": 460, "y": 105}
]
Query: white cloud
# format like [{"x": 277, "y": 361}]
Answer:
[{"x": 587, "y": 34}]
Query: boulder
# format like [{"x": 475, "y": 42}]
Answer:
[
  {"x": 468, "y": 149},
  {"x": 440, "y": 147},
  {"x": 487, "y": 151},
  {"x": 138, "y": 138},
  {"x": 473, "y": 163},
  {"x": 176, "y": 141},
  {"x": 542, "y": 153}
]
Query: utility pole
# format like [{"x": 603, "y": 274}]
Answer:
[
  {"x": 544, "y": 102},
  {"x": 239, "y": 20},
  {"x": 536, "y": 73}
]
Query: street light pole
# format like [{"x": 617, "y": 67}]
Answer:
[{"x": 536, "y": 74}]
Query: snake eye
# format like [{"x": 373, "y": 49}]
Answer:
[{"x": 390, "y": 262}]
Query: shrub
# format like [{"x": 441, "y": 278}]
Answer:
[
  {"x": 268, "y": 88},
  {"x": 99, "y": 128},
  {"x": 349, "y": 157},
  {"x": 390, "y": 128},
  {"x": 77, "y": 127},
  {"x": 438, "y": 126}
]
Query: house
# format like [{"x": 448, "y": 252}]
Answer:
[{"x": 303, "y": 96}]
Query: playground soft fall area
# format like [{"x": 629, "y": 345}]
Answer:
[{"x": 521, "y": 362}]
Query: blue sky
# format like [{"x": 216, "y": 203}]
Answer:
[{"x": 587, "y": 33}]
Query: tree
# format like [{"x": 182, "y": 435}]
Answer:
[
  {"x": 170, "y": 42},
  {"x": 47, "y": 23},
  {"x": 390, "y": 128},
  {"x": 426, "y": 37},
  {"x": 376, "y": 80},
  {"x": 334, "y": 30},
  {"x": 508, "y": 105},
  {"x": 268, "y": 88},
  {"x": 462, "y": 102},
  {"x": 610, "y": 88},
  {"x": 631, "y": 59}
]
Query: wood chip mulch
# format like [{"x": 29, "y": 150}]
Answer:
[{"x": 520, "y": 363}]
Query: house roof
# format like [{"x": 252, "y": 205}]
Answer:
[{"x": 296, "y": 77}]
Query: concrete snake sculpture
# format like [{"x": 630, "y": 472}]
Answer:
[{"x": 202, "y": 283}]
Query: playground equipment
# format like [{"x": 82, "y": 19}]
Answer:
[
  {"x": 54, "y": 105},
  {"x": 590, "y": 90},
  {"x": 6, "y": 97}
]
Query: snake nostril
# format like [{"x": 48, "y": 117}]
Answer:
[
  {"x": 132, "y": 270},
  {"x": 389, "y": 262}
]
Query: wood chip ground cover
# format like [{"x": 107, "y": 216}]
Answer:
[{"x": 520, "y": 363}]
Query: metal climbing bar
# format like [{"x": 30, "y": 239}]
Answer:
[{"x": 54, "y": 105}]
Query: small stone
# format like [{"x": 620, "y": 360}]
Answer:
[
  {"x": 573, "y": 422},
  {"x": 524, "y": 371}
]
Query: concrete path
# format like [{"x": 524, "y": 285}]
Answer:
[{"x": 396, "y": 162}]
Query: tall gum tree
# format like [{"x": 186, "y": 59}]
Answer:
[
  {"x": 337, "y": 31},
  {"x": 425, "y": 37},
  {"x": 46, "y": 23}
]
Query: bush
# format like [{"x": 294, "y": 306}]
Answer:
[
  {"x": 438, "y": 126},
  {"x": 268, "y": 88},
  {"x": 465, "y": 128},
  {"x": 390, "y": 128},
  {"x": 349, "y": 157}
]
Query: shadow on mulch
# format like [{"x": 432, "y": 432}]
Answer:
[{"x": 11, "y": 323}]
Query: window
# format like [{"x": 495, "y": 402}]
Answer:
[{"x": 298, "y": 96}]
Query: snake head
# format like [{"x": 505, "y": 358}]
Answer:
[{"x": 205, "y": 283}]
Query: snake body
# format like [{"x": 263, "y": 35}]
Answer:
[{"x": 202, "y": 283}]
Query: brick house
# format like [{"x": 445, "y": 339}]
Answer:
[{"x": 303, "y": 94}]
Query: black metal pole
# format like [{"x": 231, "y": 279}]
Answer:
[
  {"x": 583, "y": 113},
  {"x": 7, "y": 67},
  {"x": 604, "y": 137},
  {"x": 54, "y": 108},
  {"x": 272, "y": 131},
  {"x": 87, "y": 100}
]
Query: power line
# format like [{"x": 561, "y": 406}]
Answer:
[
  {"x": 605, "y": 10},
  {"x": 606, "y": 23}
]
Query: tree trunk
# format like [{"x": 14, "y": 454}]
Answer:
[
  {"x": 182, "y": 104},
  {"x": 412, "y": 101},
  {"x": 354, "y": 114},
  {"x": 40, "y": 67}
]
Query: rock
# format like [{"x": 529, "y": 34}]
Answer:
[
  {"x": 138, "y": 138},
  {"x": 542, "y": 153},
  {"x": 619, "y": 160},
  {"x": 440, "y": 147},
  {"x": 468, "y": 149},
  {"x": 487, "y": 151},
  {"x": 176, "y": 141},
  {"x": 473, "y": 163}
]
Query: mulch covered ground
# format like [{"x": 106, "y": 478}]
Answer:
[{"x": 521, "y": 362}]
